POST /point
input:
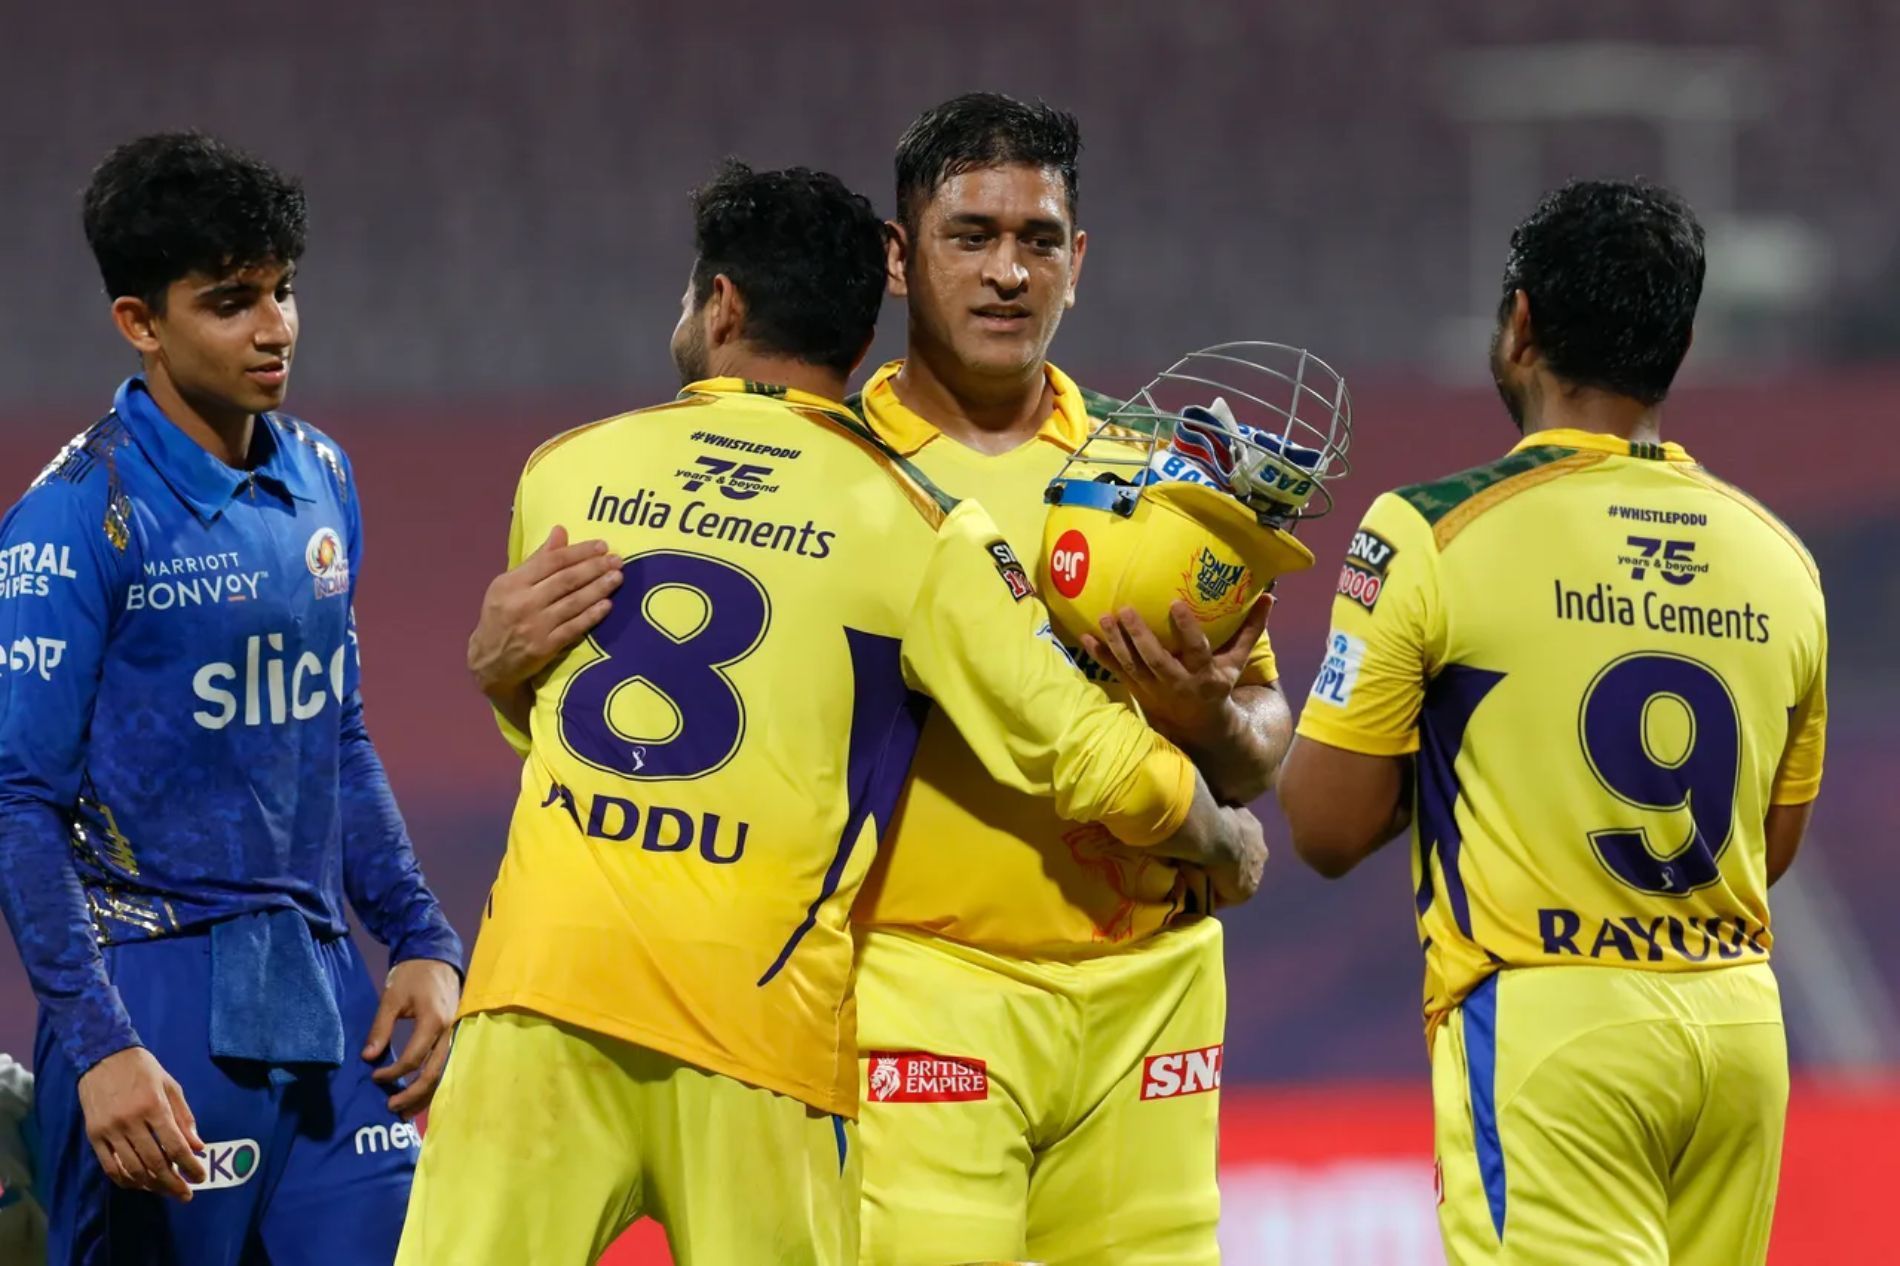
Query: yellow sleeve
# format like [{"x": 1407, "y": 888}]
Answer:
[
  {"x": 1387, "y": 637},
  {"x": 517, "y": 739},
  {"x": 1798, "y": 780},
  {"x": 979, "y": 643}
]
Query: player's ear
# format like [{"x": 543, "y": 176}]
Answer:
[
  {"x": 896, "y": 256},
  {"x": 136, "y": 323},
  {"x": 1077, "y": 249},
  {"x": 725, "y": 312},
  {"x": 1520, "y": 339}
]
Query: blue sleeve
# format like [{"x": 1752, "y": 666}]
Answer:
[
  {"x": 381, "y": 876},
  {"x": 59, "y": 582}
]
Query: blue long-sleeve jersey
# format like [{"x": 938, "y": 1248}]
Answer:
[{"x": 181, "y": 732}]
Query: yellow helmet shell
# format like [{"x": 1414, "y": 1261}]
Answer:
[{"x": 1181, "y": 542}]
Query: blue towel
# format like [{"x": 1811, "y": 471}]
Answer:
[{"x": 271, "y": 1000}]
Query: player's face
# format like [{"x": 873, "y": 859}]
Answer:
[
  {"x": 226, "y": 342},
  {"x": 993, "y": 267},
  {"x": 689, "y": 345}
]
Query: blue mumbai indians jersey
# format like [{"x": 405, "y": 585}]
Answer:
[{"x": 181, "y": 734}]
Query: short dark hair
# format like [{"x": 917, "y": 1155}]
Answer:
[
  {"x": 1613, "y": 271},
  {"x": 983, "y": 129},
  {"x": 805, "y": 251},
  {"x": 164, "y": 206}
]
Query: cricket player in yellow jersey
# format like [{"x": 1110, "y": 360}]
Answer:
[
  {"x": 1602, "y": 671},
  {"x": 1040, "y": 1013},
  {"x": 658, "y": 1017}
]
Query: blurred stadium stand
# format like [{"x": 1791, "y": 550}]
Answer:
[{"x": 500, "y": 234}]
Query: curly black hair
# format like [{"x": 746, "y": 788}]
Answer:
[
  {"x": 164, "y": 206},
  {"x": 805, "y": 251},
  {"x": 983, "y": 129},
  {"x": 1613, "y": 270}
]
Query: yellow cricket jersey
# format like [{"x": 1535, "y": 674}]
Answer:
[
  {"x": 709, "y": 771},
  {"x": 1608, "y": 664},
  {"x": 967, "y": 859}
]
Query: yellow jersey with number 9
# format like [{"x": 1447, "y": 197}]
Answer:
[
  {"x": 1606, "y": 664},
  {"x": 710, "y": 769}
]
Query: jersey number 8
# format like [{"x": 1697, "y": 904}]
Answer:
[{"x": 681, "y": 659}]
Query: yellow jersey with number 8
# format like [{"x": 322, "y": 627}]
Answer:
[
  {"x": 710, "y": 769},
  {"x": 1606, "y": 665}
]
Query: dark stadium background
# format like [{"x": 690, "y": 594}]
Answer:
[{"x": 500, "y": 234}]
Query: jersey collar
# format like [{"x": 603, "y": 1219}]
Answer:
[
  {"x": 1567, "y": 437},
  {"x": 906, "y": 430},
  {"x": 200, "y": 480},
  {"x": 742, "y": 386}
]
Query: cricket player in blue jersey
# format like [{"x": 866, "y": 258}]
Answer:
[{"x": 187, "y": 790}]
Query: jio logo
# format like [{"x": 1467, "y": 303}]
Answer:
[{"x": 1069, "y": 563}]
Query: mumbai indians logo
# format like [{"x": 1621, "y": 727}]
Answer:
[
  {"x": 228, "y": 1164},
  {"x": 1213, "y": 587},
  {"x": 327, "y": 562},
  {"x": 885, "y": 1079}
]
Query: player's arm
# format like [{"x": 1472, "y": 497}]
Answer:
[
  {"x": 1798, "y": 779},
  {"x": 1787, "y": 826},
  {"x": 992, "y": 662},
  {"x": 52, "y": 655},
  {"x": 532, "y": 612},
  {"x": 1222, "y": 704},
  {"x": 1345, "y": 785},
  {"x": 1342, "y": 805},
  {"x": 384, "y": 883}
]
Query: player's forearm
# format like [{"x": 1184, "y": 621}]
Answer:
[
  {"x": 46, "y": 909},
  {"x": 1342, "y": 806},
  {"x": 1241, "y": 752},
  {"x": 381, "y": 876},
  {"x": 1786, "y": 826},
  {"x": 514, "y": 704},
  {"x": 1205, "y": 837}
]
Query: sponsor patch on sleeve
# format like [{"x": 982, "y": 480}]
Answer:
[
  {"x": 1011, "y": 570},
  {"x": 1371, "y": 551},
  {"x": 1360, "y": 584},
  {"x": 1337, "y": 676}
]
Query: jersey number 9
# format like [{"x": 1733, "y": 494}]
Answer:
[{"x": 1626, "y": 713}]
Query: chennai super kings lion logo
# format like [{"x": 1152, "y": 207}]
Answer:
[
  {"x": 885, "y": 1079},
  {"x": 1213, "y": 588}
]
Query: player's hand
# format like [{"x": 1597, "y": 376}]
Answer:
[
  {"x": 1184, "y": 695},
  {"x": 426, "y": 992},
  {"x": 140, "y": 1127},
  {"x": 1237, "y": 877},
  {"x": 533, "y": 613}
]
